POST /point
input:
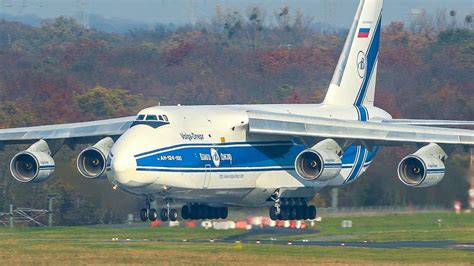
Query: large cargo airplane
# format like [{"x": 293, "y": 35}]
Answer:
[{"x": 208, "y": 158}]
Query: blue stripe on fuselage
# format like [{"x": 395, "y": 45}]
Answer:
[
  {"x": 216, "y": 170},
  {"x": 212, "y": 145},
  {"x": 230, "y": 155},
  {"x": 238, "y": 157}
]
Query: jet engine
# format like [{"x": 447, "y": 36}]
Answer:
[
  {"x": 91, "y": 162},
  {"x": 424, "y": 168},
  {"x": 321, "y": 162},
  {"x": 34, "y": 164}
]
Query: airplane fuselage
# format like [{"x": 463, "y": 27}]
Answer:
[{"x": 206, "y": 154}]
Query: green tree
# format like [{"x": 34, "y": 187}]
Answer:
[{"x": 104, "y": 102}]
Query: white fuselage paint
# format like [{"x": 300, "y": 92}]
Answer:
[{"x": 205, "y": 154}]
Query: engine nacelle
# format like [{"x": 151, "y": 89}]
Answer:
[
  {"x": 424, "y": 168},
  {"x": 92, "y": 161},
  {"x": 322, "y": 162},
  {"x": 34, "y": 164}
]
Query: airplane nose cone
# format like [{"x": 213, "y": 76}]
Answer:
[{"x": 123, "y": 166}]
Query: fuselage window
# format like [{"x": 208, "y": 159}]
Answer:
[
  {"x": 151, "y": 118},
  {"x": 140, "y": 117}
]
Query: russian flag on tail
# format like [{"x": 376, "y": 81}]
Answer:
[{"x": 363, "y": 33}]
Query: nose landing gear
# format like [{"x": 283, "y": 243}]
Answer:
[
  {"x": 143, "y": 214},
  {"x": 168, "y": 213},
  {"x": 148, "y": 213}
]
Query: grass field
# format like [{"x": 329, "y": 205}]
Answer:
[
  {"x": 402, "y": 227},
  {"x": 93, "y": 245}
]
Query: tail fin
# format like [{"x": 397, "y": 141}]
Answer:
[{"x": 353, "y": 82}]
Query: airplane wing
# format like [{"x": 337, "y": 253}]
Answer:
[
  {"x": 82, "y": 130},
  {"x": 379, "y": 133},
  {"x": 423, "y": 122}
]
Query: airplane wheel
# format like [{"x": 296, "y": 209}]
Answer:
[
  {"x": 185, "y": 212},
  {"x": 216, "y": 213},
  {"x": 143, "y": 214},
  {"x": 173, "y": 215},
  {"x": 205, "y": 212},
  {"x": 273, "y": 213},
  {"x": 292, "y": 213},
  {"x": 284, "y": 213},
  {"x": 194, "y": 212},
  {"x": 224, "y": 213},
  {"x": 299, "y": 212},
  {"x": 211, "y": 212},
  {"x": 200, "y": 212},
  {"x": 305, "y": 213},
  {"x": 164, "y": 215},
  {"x": 152, "y": 215},
  {"x": 311, "y": 212}
]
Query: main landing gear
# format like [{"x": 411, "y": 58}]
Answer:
[
  {"x": 200, "y": 211},
  {"x": 293, "y": 213},
  {"x": 188, "y": 212},
  {"x": 291, "y": 209}
]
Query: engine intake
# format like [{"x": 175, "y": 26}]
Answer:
[
  {"x": 91, "y": 162},
  {"x": 34, "y": 164},
  {"x": 322, "y": 162},
  {"x": 424, "y": 168}
]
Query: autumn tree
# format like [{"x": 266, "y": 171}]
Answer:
[{"x": 103, "y": 102}]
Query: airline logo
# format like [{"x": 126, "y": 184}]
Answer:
[
  {"x": 361, "y": 64},
  {"x": 216, "y": 159},
  {"x": 364, "y": 30}
]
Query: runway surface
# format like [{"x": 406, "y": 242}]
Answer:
[
  {"x": 304, "y": 242},
  {"x": 273, "y": 236},
  {"x": 270, "y": 236}
]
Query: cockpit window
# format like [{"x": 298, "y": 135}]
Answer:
[
  {"x": 153, "y": 121},
  {"x": 151, "y": 118}
]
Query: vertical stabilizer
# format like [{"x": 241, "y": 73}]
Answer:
[{"x": 354, "y": 79}]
